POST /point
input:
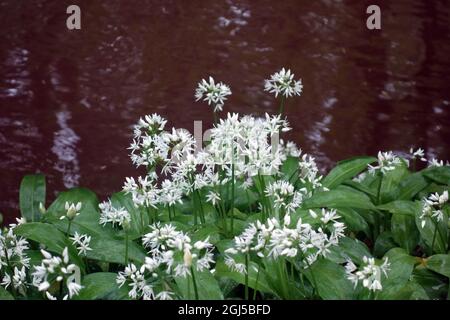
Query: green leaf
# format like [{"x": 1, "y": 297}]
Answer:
[
  {"x": 349, "y": 248},
  {"x": 404, "y": 231},
  {"x": 345, "y": 170},
  {"x": 340, "y": 197},
  {"x": 32, "y": 192},
  {"x": 435, "y": 285},
  {"x": 207, "y": 285},
  {"x": 439, "y": 263},
  {"x": 397, "y": 284},
  {"x": 51, "y": 237},
  {"x": 438, "y": 174},
  {"x": 383, "y": 244},
  {"x": 411, "y": 186},
  {"x": 289, "y": 167},
  {"x": 403, "y": 207},
  {"x": 331, "y": 280},
  {"x": 353, "y": 220},
  {"x": 223, "y": 271},
  {"x": 391, "y": 182},
  {"x": 361, "y": 187},
  {"x": 112, "y": 250},
  {"x": 102, "y": 286},
  {"x": 5, "y": 295}
]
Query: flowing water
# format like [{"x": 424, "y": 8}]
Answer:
[{"x": 68, "y": 99}]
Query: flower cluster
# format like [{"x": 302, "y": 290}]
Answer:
[
  {"x": 171, "y": 255},
  {"x": 274, "y": 239},
  {"x": 387, "y": 161},
  {"x": 282, "y": 82},
  {"x": 213, "y": 93},
  {"x": 369, "y": 274},
  {"x": 432, "y": 207},
  {"x": 284, "y": 195},
  {"x": 56, "y": 270},
  {"x": 113, "y": 215},
  {"x": 81, "y": 241}
]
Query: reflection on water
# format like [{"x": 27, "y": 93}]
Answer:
[{"x": 69, "y": 99}]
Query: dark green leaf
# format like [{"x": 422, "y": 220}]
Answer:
[
  {"x": 32, "y": 193},
  {"x": 5, "y": 295},
  {"x": 207, "y": 285},
  {"x": 345, "y": 170},
  {"x": 102, "y": 286},
  {"x": 438, "y": 174},
  {"x": 340, "y": 197},
  {"x": 439, "y": 263}
]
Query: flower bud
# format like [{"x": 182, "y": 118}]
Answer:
[{"x": 187, "y": 257}]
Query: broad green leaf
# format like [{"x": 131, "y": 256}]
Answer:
[
  {"x": 361, "y": 187},
  {"x": 411, "y": 186},
  {"x": 435, "y": 285},
  {"x": 102, "y": 286},
  {"x": 345, "y": 170},
  {"x": 107, "y": 243},
  {"x": 383, "y": 244},
  {"x": 32, "y": 193},
  {"x": 262, "y": 285},
  {"x": 113, "y": 250},
  {"x": 48, "y": 235},
  {"x": 289, "y": 168},
  {"x": 340, "y": 197},
  {"x": 391, "y": 182},
  {"x": 403, "y": 207},
  {"x": 438, "y": 174},
  {"x": 353, "y": 220},
  {"x": 439, "y": 263},
  {"x": 331, "y": 280},
  {"x": 348, "y": 248},
  {"x": 398, "y": 276},
  {"x": 207, "y": 286},
  {"x": 5, "y": 295},
  {"x": 404, "y": 231}
]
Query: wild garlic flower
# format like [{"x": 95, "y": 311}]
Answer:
[
  {"x": 214, "y": 93},
  {"x": 370, "y": 274},
  {"x": 289, "y": 149},
  {"x": 285, "y": 196},
  {"x": 144, "y": 192},
  {"x": 309, "y": 175},
  {"x": 81, "y": 241},
  {"x": 437, "y": 163},
  {"x": 417, "y": 154},
  {"x": 171, "y": 193},
  {"x": 72, "y": 210},
  {"x": 113, "y": 215},
  {"x": 432, "y": 207},
  {"x": 387, "y": 161},
  {"x": 17, "y": 280},
  {"x": 12, "y": 250},
  {"x": 153, "y": 146},
  {"x": 54, "y": 269},
  {"x": 173, "y": 249},
  {"x": 213, "y": 197},
  {"x": 282, "y": 82}
]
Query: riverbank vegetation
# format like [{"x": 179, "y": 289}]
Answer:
[{"x": 248, "y": 216}]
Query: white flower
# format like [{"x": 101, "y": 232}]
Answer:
[
  {"x": 432, "y": 207},
  {"x": 387, "y": 161},
  {"x": 214, "y": 94},
  {"x": 56, "y": 269},
  {"x": 213, "y": 197},
  {"x": 370, "y": 273},
  {"x": 284, "y": 195},
  {"x": 418, "y": 154},
  {"x": 82, "y": 242},
  {"x": 72, "y": 210},
  {"x": 283, "y": 83},
  {"x": 110, "y": 214},
  {"x": 12, "y": 250},
  {"x": 164, "y": 295}
]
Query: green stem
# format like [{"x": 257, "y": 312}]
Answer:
[
  {"x": 232, "y": 197},
  {"x": 246, "y": 276},
  {"x": 68, "y": 228},
  {"x": 379, "y": 189},
  {"x": 281, "y": 111},
  {"x": 195, "y": 283},
  {"x": 126, "y": 247}
]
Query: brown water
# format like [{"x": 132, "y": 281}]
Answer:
[{"x": 68, "y": 99}]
